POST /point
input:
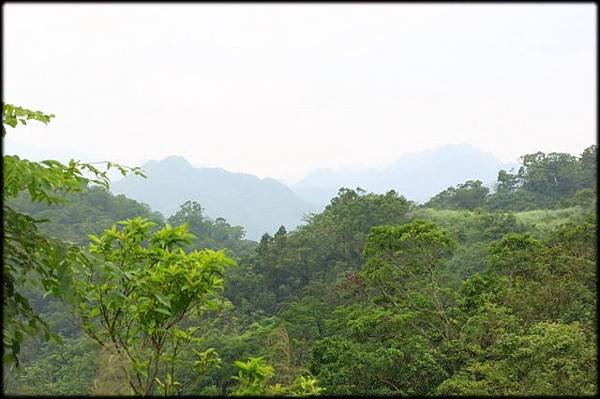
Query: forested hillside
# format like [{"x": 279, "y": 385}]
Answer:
[{"x": 472, "y": 293}]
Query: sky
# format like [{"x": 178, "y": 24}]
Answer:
[{"x": 279, "y": 90}]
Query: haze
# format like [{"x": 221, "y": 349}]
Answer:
[{"x": 280, "y": 90}]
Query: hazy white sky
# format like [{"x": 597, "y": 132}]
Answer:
[{"x": 281, "y": 89}]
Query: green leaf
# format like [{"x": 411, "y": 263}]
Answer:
[
  {"x": 162, "y": 299},
  {"x": 163, "y": 311}
]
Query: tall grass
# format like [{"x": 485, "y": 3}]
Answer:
[
  {"x": 538, "y": 222},
  {"x": 542, "y": 221}
]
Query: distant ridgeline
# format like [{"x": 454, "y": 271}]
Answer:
[
  {"x": 259, "y": 205},
  {"x": 262, "y": 205},
  {"x": 543, "y": 181},
  {"x": 417, "y": 176}
]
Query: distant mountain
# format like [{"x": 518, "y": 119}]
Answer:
[
  {"x": 260, "y": 205},
  {"x": 417, "y": 176}
]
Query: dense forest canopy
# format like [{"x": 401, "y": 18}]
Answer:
[{"x": 475, "y": 292}]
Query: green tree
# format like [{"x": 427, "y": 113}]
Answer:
[
  {"x": 468, "y": 195},
  {"x": 135, "y": 292},
  {"x": 32, "y": 259},
  {"x": 588, "y": 168},
  {"x": 328, "y": 244},
  {"x": 553, "y": 175},
  {"x": 404, "y": 365},
  {"x": 217, "y": 234},
  {"x": 544, "y": 180},
  {"x": 400, "y": 259},
  {"x": 67, "y": 369},
  {"x": 254, "y": 375},
  {"x": 549, "y": 359}
]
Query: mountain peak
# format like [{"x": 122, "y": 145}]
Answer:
[
  {"x": 176, "y": 160},
  {"x": 260, "y": 205},
  {"x": 418, "y": 176},
  {"x": 172, "y": 162}
]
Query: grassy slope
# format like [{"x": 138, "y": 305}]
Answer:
[{"x": 539, "y": 222}]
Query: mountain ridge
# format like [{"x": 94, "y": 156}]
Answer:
[
  {"x": 261, "y": 205},
  {"x": 418, "y": 176}
]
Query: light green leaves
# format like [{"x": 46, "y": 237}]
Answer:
[
  {"x": 30, "y": 257},
  {"x": 13, "y": 115},
  {"x": 255, "y": 373},
  {"x": 169, "y": 386},
  {"x": 253, "y": 376},
  {"x": 206, "y": 360},
  {"x": 143, "y": 285}
]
